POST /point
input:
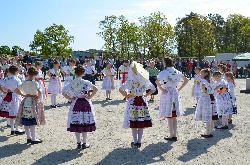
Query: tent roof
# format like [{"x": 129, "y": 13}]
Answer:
[{"x": 242, "y": 57}]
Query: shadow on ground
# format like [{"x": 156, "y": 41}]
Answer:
[
  {"x": 109, "y": 102},
  {"x": 189, "y": 111},
  {"x": 197, "y": 147},
  {"x": 12, "y": 149},
  {"x": 58, "y": 157},
  {"x": 150, "y": 154}
]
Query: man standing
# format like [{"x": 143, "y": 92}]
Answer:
[
  {"x": 98, "y": 67},
  {"x": 111, "y": 60},
  {"x": 118, "y": 63}
]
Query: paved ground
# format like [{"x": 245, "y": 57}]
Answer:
[{"x": 110, "y": 144}]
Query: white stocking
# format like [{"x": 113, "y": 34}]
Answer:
[
  {"x": 224, "y": 120},
  {"x": 78, "y": 137},
  {"x": 174, "y": 126},
  {"x": 134, "y": 134},
  {"x": 212, "y": 127},
  {"x": 33, "y": 133},
  {"x": 12, "y": 124},
  {"x": 27, "y": 131},
  {"x": 84, "y": 137},
  {"x": 8, "y": 121},
  {"x": 208, "y": 126},
  {"x": 140, "y": 133},
  {"x": 55, "y": 98},
  {"x": 52, "y": 99},
  {"x": 170, "y": 127}
]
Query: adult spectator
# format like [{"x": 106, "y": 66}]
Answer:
[
  {"x": 193, "y": 67},
  {"x": 179, "y": 65},
  {"x": 214, "y": 65},
  {"x": 98, "y": 67},
  {"x": 248, "y": 68},
  {"x": 234, "y": 68},
  {"x": 189, "y": 69},
  {"x": 228, "y": 66},
  {"x": 45, "y": 67},
  {"x": 158, "y": 64},
  {"x": 81, "y": 61},
  {"x": 118, "y": 63},
  {"x": 202, "y": 64},
  {"x": 27, "y": 58},
  {"x": 111, "y": 60},
  {"x": 184, "y": 67}
]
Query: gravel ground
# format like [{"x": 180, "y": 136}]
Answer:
[{"x": 110, "y": 143}]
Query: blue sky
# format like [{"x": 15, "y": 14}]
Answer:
[{"x": 20, "y": 19}]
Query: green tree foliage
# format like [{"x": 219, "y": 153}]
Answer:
[
  {"x": 15, "y": 49},
  {"x": 195, "y": 36},
  {"x": 55, "y": 40},
  {"x": 5, "y": 50},
  {"x": 152, "y": 37},
  {"x": 108, "y": 33}
]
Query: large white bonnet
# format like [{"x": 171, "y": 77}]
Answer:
[{"x": 137, "y": 73}]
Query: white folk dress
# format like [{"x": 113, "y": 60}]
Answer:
[
  {"x": 70, "y": 74},
  {"x": 206, "y": 109},
  {"x": 170, "y": 103},
  {"x": 224, "y": 101},
  {"x": 108, "y": 81},
  {"x": 232, "y": 94},
  {"x": 197, "y": 86},
  {"x": 55, "y": 86},
  {"x": 41, "y": 84},
  {"x": 10, "y": 104},
  {"x": 137, "y": 110},
  {"x": 81, "y": 116},
  {"x": 124, "y": 70},
  {"x": 31, "y": 110}
]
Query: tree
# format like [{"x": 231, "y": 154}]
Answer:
[
  {"x": 15, "y": 49},
  {"x": 108, "y": 32},
  {"x": 5, "y": 50},
  {"x": 55, "y": 40},
  {"x": 195, "y": 36}
]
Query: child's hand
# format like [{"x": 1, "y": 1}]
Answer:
[
  {"x": 164, "y": 91},
  {"x": 128, "y": 96}
]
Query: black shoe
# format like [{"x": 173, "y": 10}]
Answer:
[
  {"x": 133, "y": 145},
  {"x": 85, "y": 145},
  {"x": 207, "y": 136},
  {"x": 29, "y": 140},
  {"x": 53, "y": 106},
  {"x": 36, "y": 142},
  {"x": 170, "y": 138},
  {"x": 19, "y": 132},
  {"x": 138, "y": 145},
  {"x": 79, "y": 145},
  {"x": 8, "y": 126},
  {"x": 230, "y": 121},
  {"x": 107, "y": 98},
  {"x": 69, "y": 102},
  {"x": 110, "y": 99},
  {"x": 58, "y": 105},
  {"x": 221, "y": 127},
  {"x": 12, "y": 133},
  {"x": 124, "y": 99}
]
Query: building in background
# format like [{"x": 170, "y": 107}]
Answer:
[{"x": 87, "y": 53}]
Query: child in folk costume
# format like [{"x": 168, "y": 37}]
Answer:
[
  {"x": 90, "y": 72},
  {"x": 170, "y": 104},
  {"x": 197, "y": 90},
  {"x": 206, "y": 109},
  {"x": 231, "y": 85},
  {"x": 21, "y": 69},
  {"x": 81, "y": 117},
  {"x": 55, "y": 86},
  {"x": 123, "y": 69},
  {"x": 31, "y": 112},
  {"x": 108, "y": 80},
  {"x": 4, "y": 91},
  {"x": 40, "y": 80},
  {"x": 69, "y": 72},
  {"x": 12, "y": 99},
  {"x": 153, "y": 72},
  {"x": 137, "y": 115},
  {"x": 224, "y": 100}
]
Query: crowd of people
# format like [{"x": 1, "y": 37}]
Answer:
[{"x": 23, "y": 91}]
